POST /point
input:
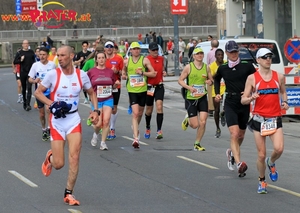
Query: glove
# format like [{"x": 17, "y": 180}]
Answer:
[{"x": 59, "y": 109}]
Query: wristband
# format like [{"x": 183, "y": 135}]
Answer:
[
  {"x": 97, "y": 110},
  {"x": 285, "y": 102}
]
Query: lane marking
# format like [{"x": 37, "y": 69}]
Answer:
[
  {"x": 197, "y": 162},
  {"x": 74, "y": 211},
  {"x": 284, "y": 190},
  {"x": 131, "y": 139},
  {"x": 22, "y": 178}
]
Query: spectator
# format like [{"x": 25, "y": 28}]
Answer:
[
  {"x": 182, "y": 46},
  {"x": 209, "y": 37},
  {"x": 49, "y": 41},
  {"x": 192, "y": 47},
  {"x": 147, "y": 39},
  {"x": 160, "y": 40}
]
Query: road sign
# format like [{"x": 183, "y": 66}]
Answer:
[
  {"x": 179, "y": 7},
  {"x": 293, "y": 95},
  {"x": 292, "y": 50}
]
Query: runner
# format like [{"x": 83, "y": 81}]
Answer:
[
  {"x": 103, "y": 82},
  {"x": 114, "y": 62},
  {"x": 25, "y": 58},
  {"x": 155, "y": 91},
  {"x": 235, "y": 73},
  {"x": 196, "y": 103},
  {"x": 265, "y": 88},
  {"x": 219, "y": 54},
  {"x": 36, "y": 75},
  {"x": 16, "y": 71},
  {"x": 65, "y": 119},
  {"x": 135, "y": 68}
]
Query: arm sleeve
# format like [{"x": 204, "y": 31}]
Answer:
[
  {"x": 217, "y": 80},
  {"x": 17, "y": 59}
]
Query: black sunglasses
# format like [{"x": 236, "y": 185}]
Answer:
[
  {"x": 266, "y": 57},
  {"x": 109, "y": 46}
]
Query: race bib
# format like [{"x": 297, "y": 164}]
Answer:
[
  {"x": 136, "y": 80},
  {"x": 151, "y": 91},
  {"x": 200, "y": 91},
  {"x": 268, "y": 127},
  {"x": 104, "y": 91}
]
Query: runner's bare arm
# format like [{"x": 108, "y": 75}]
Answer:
[{"x": 151, "y": 72}]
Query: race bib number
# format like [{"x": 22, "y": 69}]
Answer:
[
  {"x": 151, "y": 91},
  {"x": 104, "y": 91},
  {"x": 200, "y": 91},
  {"x": 268, "y": 127},
  {"x": 136, "y": 80}
]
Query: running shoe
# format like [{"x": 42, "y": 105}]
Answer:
[
  {"x": 136, "y": 143},
  {"x": 112, "y": 134},
  {"x": 185, "y": 123},
  {"x": 218, "y": 133},
  {"x": 48, "y": 132},
  {"x": 103, "y": 146},
  {"x": 159, "y": 134},
  {"x": 20, "y": 99},
  {"x": 223, "y": 120},
  {"x": 45, "y": 135},
  {"x": 46, "y": 166},
  {"x": 198, "y": 147},
  {"x": 273, "y": 174},
  {"x": 129, "y": 111},
  {"x": 28, "y": 108},
  {"x": 242, "y": 168},
  {"x": 147, "y": 133},
  {"x": 86, "y": 101},
  {"x": 71, "y": 200},
  {"x": 94, "y": 140},
  {"x": 262, "y": 187},
  {"x": 230, "y": 162},
  {"x": 35, "y": 105}
]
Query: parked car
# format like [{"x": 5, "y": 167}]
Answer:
[{"x": 145, "y": 52}]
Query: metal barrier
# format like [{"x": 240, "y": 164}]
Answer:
[{"x": 112, "y": 33}]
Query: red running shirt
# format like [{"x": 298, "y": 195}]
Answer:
[
  {"x": 158, "y": 66},
  {"x": 268, "y": 103},
  {"x": 118, "y": 62}
]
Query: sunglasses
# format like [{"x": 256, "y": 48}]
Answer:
[
  {"x": 155, "y": 50},
  {"x": 266, "y": 57},
  {"x": 109, "y": 46}
]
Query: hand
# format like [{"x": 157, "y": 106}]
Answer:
[
  {"x": 22, "y": 57},
  {"x": 124, "y": 76},
  {"x": 59, "y": 109},
  {"x": 93, "y": 118},
  {"x": 37, "y": 80},
  {"x": 81, "y": 58},
  {"x": 285, "y": 105},
  {"x": 192, "y": 89},
  {"x": 218, "y": 97},
  {"x": 209, "y": 82},
  {"x": 117, "y": 82},
  {"x": 164, "y": 73}
]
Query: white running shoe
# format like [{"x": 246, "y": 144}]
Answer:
[
  {"x": 94, "y": 140},
  {"x": 103, "y": 146},
  {"x": 230, "y": 162}
]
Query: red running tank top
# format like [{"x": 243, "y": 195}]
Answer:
[{"x": 268, "y": 103}]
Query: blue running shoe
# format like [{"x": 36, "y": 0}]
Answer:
[
  {"x": 262, "y": 187},
  {"x": 273, "y": 174},
  {"x": 147, "y": 133},
  {"x": 129, "y": 111}
]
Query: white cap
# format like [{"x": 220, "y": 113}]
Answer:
[
  {"x": 109, "y": 43},
  {"x": 263, "y": 51}
]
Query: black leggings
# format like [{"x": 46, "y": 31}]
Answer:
[{"x": 26, "y": 86}]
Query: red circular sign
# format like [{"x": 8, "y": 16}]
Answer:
[{"x": 292, "y": 50}]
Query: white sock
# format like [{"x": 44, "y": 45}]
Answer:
[{"x": 113, "y": 120}]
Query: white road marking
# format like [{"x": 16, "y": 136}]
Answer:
[
  {"x": 131, "y": 139},
  {"x": 74, "y": 211},
  {"x": 284, "y": 190},
  {"x": 197, "y": 162},
  {"x": 22, "y": 178}
]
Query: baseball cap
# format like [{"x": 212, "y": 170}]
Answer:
[
  {"x": 135, "y": 45},
  {"x": 153, "y": 46},
  {"x": 262, "y": 52},
  {"x": 197, "y": 50},
  {"x": 109, "y": 43},
  {"x": 231, "y": 46}
]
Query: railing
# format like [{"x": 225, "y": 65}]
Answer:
[{"x": 112, "y": 33}]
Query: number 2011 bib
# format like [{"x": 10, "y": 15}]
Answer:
[{"x": 268, "y": 127}]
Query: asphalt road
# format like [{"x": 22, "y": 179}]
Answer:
[{"x": 162, "y": 176}]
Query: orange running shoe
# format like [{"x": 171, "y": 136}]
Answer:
[
  {"x": 70, "y": 200},
  {"x": 46, "y": 166},
  {"x": 35, "y": 105}
]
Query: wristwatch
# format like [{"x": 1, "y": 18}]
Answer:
[{"x": 97, "y": 110}]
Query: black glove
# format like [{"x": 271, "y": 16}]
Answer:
[{"x": 59, "y": 109}]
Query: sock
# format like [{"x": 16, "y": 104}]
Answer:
[
  {"x": 159, "y": 120},
  {"x": 20, "y": 95},
  {"x": 67, "y": 191},
  {"x": 113, "y": 120},
  {"x": 148, "y": 120},
  {"x": 197, "y": 143},
  {"x": 261, "y": 179},
  {"x": 44, "y": 129}
]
